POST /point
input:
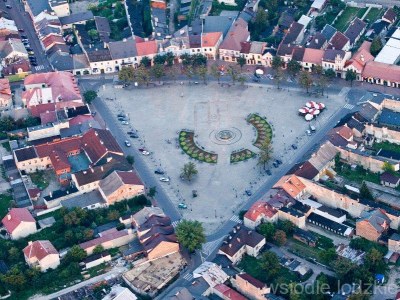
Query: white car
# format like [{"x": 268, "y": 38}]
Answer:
[
  {"x": 164, "y": 179},
  {"x": 146, "y": 153},
  {"x": 127, "y": 143},
  {"x": 125, "y": 123}
]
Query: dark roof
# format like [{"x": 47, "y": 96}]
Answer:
[
  {"x": 291, "y": 212},
  {"x": 298, "y": 54},
  {"x": 355, "y": 29},
  {"x": 3, "y": 267},
  {"x": 328, "y": 31},
  {"x": 76, "y": 111},
  {"x": 286, "y": 19},
  {"x": 77, "y": 17},
  {"x": 300, "y": 207},
  {"x": 389, "y": 177},
  {"x": 367, "y": 112},
  {"x": 331, "y": 54},
  {"x": 95, "y": 257},
  {"x": 102, "y": 25},
  {"x": 305, "y": 170},
  {"x": 60, "y": 193},
  {"x": 307, "y": 235},
  {"x": 332, "y": 211},
  {"x": 99, "y": 55},
  {"x": 337, "y": 227},
  {"x": 239, "y": 237},
  {"x": 389, "y": 154},
  {"x": 37, "y": 6},
  {"x": 250, "y": 279},
  {"x": 155, "y": 220},
  {"x": 355, "y": 124},
  {"x": 379, "y": 26},
  {"x": 390, "y": 15},
  {"x": 338, "y": 41},
  {"x": 293, "y": 33},
  {"x": 285, "y": 49},
  {"x": 317, "y": 41},
  {"x": 217, "y": 24},
  {"x": 389, "y": 117},
  {"x": 157, "y": 230},
  {"x": 25, "y": 153}
]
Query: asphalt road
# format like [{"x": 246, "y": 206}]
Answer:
[
  {"x": 23, "y": 20},
  {"x": 384, "y": 3}
]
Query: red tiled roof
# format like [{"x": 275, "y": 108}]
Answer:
[
  {"x": 381, "y": 71},
  {"x": 39, "y": 249},
  {"x": 15, "y": 217},
  {"x": 250, "y": 279},
  {"x": 80, "y": 120},
  {"x": 34, "y": 192},
  {"x": 5, "y": 87},
  {"x": 210, "y": 39},
  {"x": 129, "y": 177},
  {"x": 237, "y": 34},
  {"x": 48, "y": 117},
  {"x": 338, "y": 41},
  {"x": 65, "y": 146},
  {"x": 59, "y": 160},
  {"x": 52, "y": 39},
  {"x": 260, "y": 208},
  {"x": 228, "y": 292},
  {"x": 313, "y": 56},
  {"x": 98, "y": 142},
  {"x": 111, "y": 235},
  {"x": 37, "y": 110},
  {"x": 345, "y": 132},
  {"x": 146, "y": 48},
  {"x": 291, "y": 185}
]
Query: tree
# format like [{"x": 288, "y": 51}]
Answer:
[
  {"x": 376, "y": 46},
  {"x": 112, "y": 215},
  {"x": 145, "y": 62},
  {"x": 75, "y": 253},
  {"x": 98, "y": 249},
  {"x": 142, "y": 75},
  {"x": 259, "y": 24},
  {"x": 269, "y": 262},
  {"x": 387, "y": 167},
  {"x": 279, "y": 76},
  {"x": 350, "y": 76},
  {"x": 15, "y": 279},
  {"x": 280, "y": 238},
  {"x": 287, "y": 226},
  {"x": 159, "y": 59},
  {"x": 14, "y": 254},
  {"x": 342, "y": 267},
  {"x": 188, "y": 171},
  {"x": 305, "y": 80},
  {"x": 317, "y": 69},
  {"x": 169, "y": 59},
  {"x": 202, "y": 71},
  {"x": 126, "y": 74},
  {"x": 265, "y": 154},
  {"x": 374, "y": 261},
  {"x": 189, "y": 72},
  {"x": 152, "y": 191},
  {"x": 293, "y": 67},
  {"x": 328, "y": 255},
  {"x": 322, "y": 82},
  {"x": 215, "y": 72},
  {"x": 157, "y": 71},
  {"x": 242, "y": 80},
  {"x": 93, "y": 33},
  {"x": 267, "y": 230},
  {"x": 130, "y": 159},
  {"x": 6, "y": 123},
  {"x": 89, "y": 96},
  {"x": 365, "y": 192},
  {"x": 241, "y": 61},
  {"x": 330, "y": 74},
  {"x": 276, "y": 63},
  {"x": 190, "y": 234},
  {"x": 233, "y": 73}
]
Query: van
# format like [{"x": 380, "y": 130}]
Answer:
[{"x": 312, "y": 128}]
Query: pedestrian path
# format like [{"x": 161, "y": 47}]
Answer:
[
  {"x": 209, "y": 247},
  {"x": 188, "y": 277},
  {"x": 40, "y": 67},
  {"x": 348, "y": 106},
  {"x": 235, "y": 219},
  {"x": 175, "y": 223}
]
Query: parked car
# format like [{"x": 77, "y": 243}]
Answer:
[
  {"x": 29, "y": 49},
  {"x": 255, "y": 79},
  {"x": 121, "y": 119},
  {"x": 294, "y": 146},
  {"x": 164, "y": 179},
  {"x": 125, "y": 123},
  {"x": 159, "y": 172},
  {"x": 144, "y": 152},
  {"x": 121, "y": 116},
  {"x": 248, "y": 192},
  {"x": 268, "y": 172},
  {"x": 127, "y": 143},
  {"x": 182, "y": 206},
  {"x": 275, "y": 164},
  {"x": 278, "y": 161},
  {"x": 20, "y": 30},
  {"x": 31, "y": 52},
  {"x": 8, "y": 6},
  {"x": 24, "y": 37},
  {"x": 134, "y": 136},
  {"x": 308, "y": 132},
  {"x": 130, "y": 132}
]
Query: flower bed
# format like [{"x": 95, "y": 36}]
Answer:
[
  {"x": 241, "y": 155},
  {"x": 187, "y": 144},
  {"x": 264, "y": 130}
]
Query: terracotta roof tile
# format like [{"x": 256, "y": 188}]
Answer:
[
  {"x": 313, "y": 56},
  {"x": 39, "y": 249},
  {"x": 260, "y": 208},
  {"x": 291, "y": 184},
  {"x": 382, "y": 71},
  {"x": 15, "y": 217},
  {"x": 146, "y": 48}
]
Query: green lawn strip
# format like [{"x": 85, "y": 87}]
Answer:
[
  {"x": 40, "y": 179},
  {"x": 373, "y": 15},
  {"x": 358, "y": 175},
  {"x": 361, "y": 12},
  {"x": 345, "y": 18},
  {"x": 5, "y": 203},
  {"x": 251, "y": 266},
  {"x": 6, "y": 145},
  {"x": 386, "y": 146},
  {"x": 303, "y": 250}
]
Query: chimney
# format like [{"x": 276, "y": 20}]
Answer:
[
  {"x": 51, "y": 194},
  {"x": 230, "y": 245},
  {"x": 102, "y": 169},
  {"x": 362, "y": 57},
  {"x": 238, "y": 240},
  {"x": 316, "y": 41},
  {"x": 9, "y": 217},
  {"x": 30, "y": 243}
]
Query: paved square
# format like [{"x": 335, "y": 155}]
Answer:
[{"x": 160, "y": 113}]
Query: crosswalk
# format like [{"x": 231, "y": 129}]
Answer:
[
  {"x": 188, "y": 276},
  {"x": 348, "y": 106},
  {"x": 235, "y": 219},
  {"x": 175, "y": 223},
  {"x": 40, "y": 67},
  {"x": 209, "y": 247}
]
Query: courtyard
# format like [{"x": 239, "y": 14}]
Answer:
[{"x": 216, "y": 120}]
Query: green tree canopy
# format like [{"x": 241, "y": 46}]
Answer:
[
  {"x": 305, "y": 80},
  {"x": 376, "y": 46},
  {"x": 293, "y": 67},
  {"x": 350, "y": 76},
  {"x": 270, "y": 263},
  {"x": 190, "y": 234},
  {"x": 89, "y": 96},
  {"x": 276, "y": 62},
  {"x": 189, "y": 170},
  {"x": 126, "y": 74},
  {"x": 280, "y": 238},
  {"x": 241, "y": 61},
  {"x": 267, "y": 230}
]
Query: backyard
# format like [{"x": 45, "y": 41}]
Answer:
[
  {"x": 386, "y": 146},
  {"x": 347, "y": 16},
  {"x": 5, "y": 203},
  {"x": 373, "y": 14},
  {"x": 41, "y": 179},
  {"x": 357, "y": 175}
]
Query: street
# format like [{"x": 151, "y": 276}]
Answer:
[{"x": 23, "y": 21}]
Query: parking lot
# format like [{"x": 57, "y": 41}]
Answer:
[{"x": 158, "y": 114}]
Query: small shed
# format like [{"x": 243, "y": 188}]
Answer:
[{"x": 390, "y": 180}]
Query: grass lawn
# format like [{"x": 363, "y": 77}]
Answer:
[
  {"x": 5, "y": 201},
  {"x": 41, "y": 179},
  {"x": 346, "y": 17},
  {"x": 97, "y": 270},
  {"x": 361, "y": 12},
  {"x": 303, "y": 250},
  {"x": 6, "y": 145},
  {"x": 358, "y": 175},
  {"x": 386, "y": 146},
  {"x": 373, "y": 15},
  {"x": 250, "y": 265}
]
